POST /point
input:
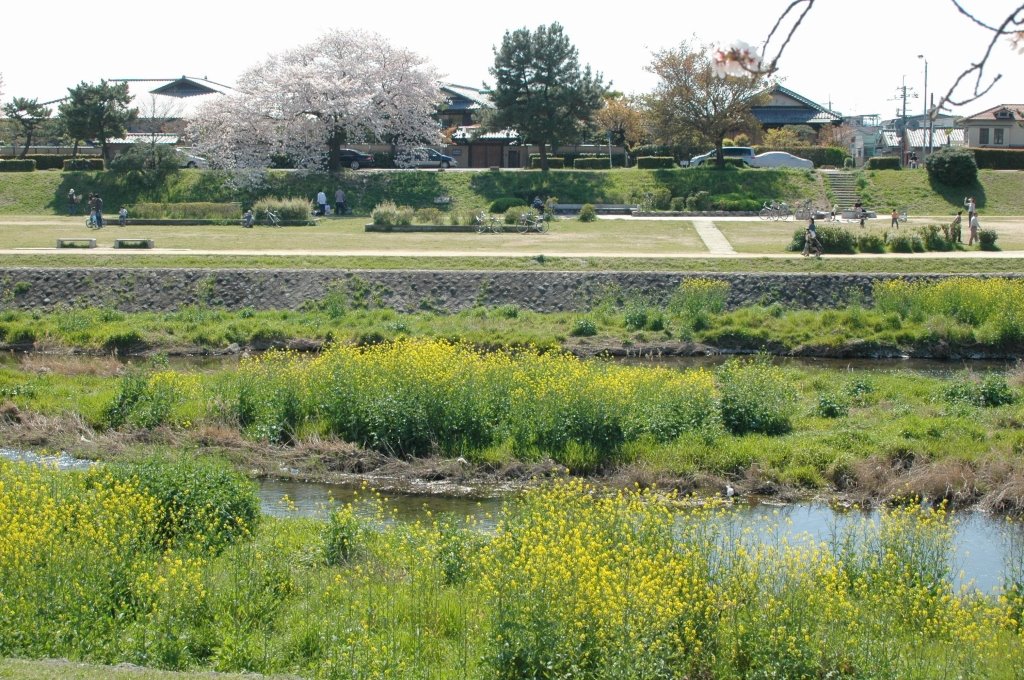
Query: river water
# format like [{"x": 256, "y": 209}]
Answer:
[{"x": 982, "y": 543}]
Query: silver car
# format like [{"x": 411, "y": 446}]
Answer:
[{"x": 422, "y": 157}]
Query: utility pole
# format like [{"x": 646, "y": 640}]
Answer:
[{"x": 903, "y": 119}]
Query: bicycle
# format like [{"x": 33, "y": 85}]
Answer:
[
  {"x": 272, "y": 219},
  {"x": 903, "y": 216},
  {"x": 92, "y": 222},
  {"x": 487, "y": 224},
  {"x": 528, "y": 223},
  {"x": 774, "y": 211}
]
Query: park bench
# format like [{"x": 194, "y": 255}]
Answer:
[
  {"x": 76, "y": 243},
  {"x": 133, "y": 243}
]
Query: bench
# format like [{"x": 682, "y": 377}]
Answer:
[
  {"x": 76, "y": 243},
  {"x": 133, "y": 243}
]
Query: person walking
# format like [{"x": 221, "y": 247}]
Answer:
[
  {"x": 339, "y": 202},
  {"x": 974, "y": 227},
  {"x": 811, "y": 242},
  {"x": 321, "y": 203}
]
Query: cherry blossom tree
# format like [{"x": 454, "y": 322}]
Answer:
[{"x": 308, "y": 102}]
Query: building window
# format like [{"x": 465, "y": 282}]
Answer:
[
  {"x": 997, "y": 136},
  {"x": 983, "y": 136}
]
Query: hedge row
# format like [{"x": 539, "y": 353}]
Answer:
[
  {"x": 17, "y": 165},
  {"x": 83, "y": 164},
  {"x": 882, "y": 163},
  {"x": 590, "y": 163},
  {"x": 819, "y": 155},
  {"x": 650, "y": 162},
  {"x": 553, "y": 161},
  {"x": 999, "y": 159}
]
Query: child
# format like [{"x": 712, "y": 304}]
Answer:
[{"x": 122, "y": 216}]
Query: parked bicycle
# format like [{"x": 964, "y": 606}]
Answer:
[
  {"x": 487, "y": 224},
  {"x": 775, "y": 210},
  {"x": 529, "y": 222},
  {"x": 272, "y": 219}
]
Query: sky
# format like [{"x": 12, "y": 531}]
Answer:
[{"x": 851, "y": 57}]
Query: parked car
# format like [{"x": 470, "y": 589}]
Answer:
[
  {"x": 187, "y": 160},
  {"x": 422, "y": 157},
  {"x": 356, "y": 159},
  {"x": 780, "y": 159},
  {"x": 744, "y": 153}
]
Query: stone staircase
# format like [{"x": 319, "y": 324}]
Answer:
[{"x": 843, "y": 186}]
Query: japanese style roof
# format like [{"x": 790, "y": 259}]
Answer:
[
  {"x": 171, "y": 97},
  {"x": 789, "y": 108},
  {"x": 466, "y": 133},
  {"x": 148, "y": 137},
  {"x": 1003, "y": 112},
  {"x": 465, "y": 98},
  {"x": 919, "y": 138}
]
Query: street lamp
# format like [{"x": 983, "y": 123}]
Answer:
[{"x": 927, "y": 112}]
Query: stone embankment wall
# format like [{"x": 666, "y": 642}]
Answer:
[{"x": 404, "y": 290}]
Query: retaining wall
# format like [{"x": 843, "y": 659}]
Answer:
[{"x": 404, "y": 290}]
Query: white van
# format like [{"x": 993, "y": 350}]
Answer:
[{"x": 744, "y": 153}]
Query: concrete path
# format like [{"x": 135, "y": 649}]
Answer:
[{"x": 714, "y": 239}]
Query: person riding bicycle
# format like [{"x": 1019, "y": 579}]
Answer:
[
  {"x": 811, "y": 242},
  {"x": 248, "y": 219}
]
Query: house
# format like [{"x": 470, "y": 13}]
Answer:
[
  {"x": 166, "y": 104},
  {"x": 786, "y": 107},
  {"x": 998, "y": 127}
]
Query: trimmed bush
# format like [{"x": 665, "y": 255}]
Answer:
[
  {"x": 554, "y": 162},
  {"x": 592, "y": 163},
  {"x": 76, "y": 164},
  {"x": 870, "y": 243},
  {"x": 185, "y": 211},
  {"x": 835, "y": 240},
  {"x": 999, "y": 159},
  {"x": 47, "y": 161},
  {"x": 882, "y": 163},
  {"x": 501, "y": 205},
  {"x": 953, "y": 167},
  {"x": 587, "y": 213},
  {"x": 17, "y": 165},
  {"x": 650, "y": 162},
  {"x": 288, "y": 209},
  {"x": 901, "y": 242}
]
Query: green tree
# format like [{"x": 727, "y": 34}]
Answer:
[
  {"x": 623, "y": 120},
  {"x": 540, "y": 89},
  {"x": 97, "y": 112},
  {"x": 28, "y": 114},
  {"x": 691, "y": 103}
]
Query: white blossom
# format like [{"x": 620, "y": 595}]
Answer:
[
  {"x": 349, "y": 86},
  {"x": 739, "y": 59}
]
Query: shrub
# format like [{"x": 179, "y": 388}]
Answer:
[
  {"x": 678, "y": 203},
  {"x": 755, "y": 397},
  {"x": 651, "y": 162},
  {"x": 832, "y": 405},
  {"x": 987, "y": 239},
  {"x": 428, "y": 216},
  {"x": 513, "y": 214},
  {"x": 657, "y": 198},
  {"x": 695, "y": 300},
  {"x": 203, "y": 502},
  {"x": 901, "y": 242},
  {"x": 735, "y": 202},
  {"x": 990, "y": 390},
  {"x": 999, "y": 159},
  {"x": 77, "y": 164},
  {"x": 835, "y": 239},
  {"x": 186, "y": 211},
  {"x": 554, "y": 162},
  {"x": 882, "y": 163},
  {"x": 288, "y": 209},
  {"x": 501, "y": 205},
  {"x": 17, "y": 165},
  {"x": 698, "y": 200},
  {"x": 953, "y": 167},
  {"x": 870, "y": 243},
  {"x": 47, "y": 161},
  {"x": 344, "y": 536},
  {"x": 587, "y": 213},
  {"x": 600, "y": 163},
  {"x": 388, "y": 214},
  {"x": 932, "y": 237},
  {"x": 583, "y": 328}
]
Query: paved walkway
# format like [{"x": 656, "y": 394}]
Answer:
[{"x": 714, "y": 239}]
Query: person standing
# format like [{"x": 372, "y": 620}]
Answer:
[
  {"x": 72, "y": 201},
  {"x": 972, "y": 207},
  {"x": 339, "y": 202},
  {"x": 953, "y": 230},
  {"x": 96, "y": 209},
  {"x": 895, "y": 218},
  {"x": 321, "y": 203},
  {"x": 974, "y": 227}
]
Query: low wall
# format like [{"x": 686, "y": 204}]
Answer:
[{"x": 404, "y": 290}]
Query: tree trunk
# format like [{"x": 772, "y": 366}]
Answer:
[
  {"x": 334, "y": 142},
  {"x": 543, "y": 157}
]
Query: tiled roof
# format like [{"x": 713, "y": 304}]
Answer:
[
  {"x": 134, "y": 137},
  {"x": 171, "y": 97},
  {"x": 1016, "y": 113},
  {"x": 805, "y": 112},
  {"x": 465, "y": 97},
  {"x": 919, "y": 138},
  {"x": 467, "y": 133}
]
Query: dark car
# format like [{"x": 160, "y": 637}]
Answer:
[{"x": 356, "y": 159}]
